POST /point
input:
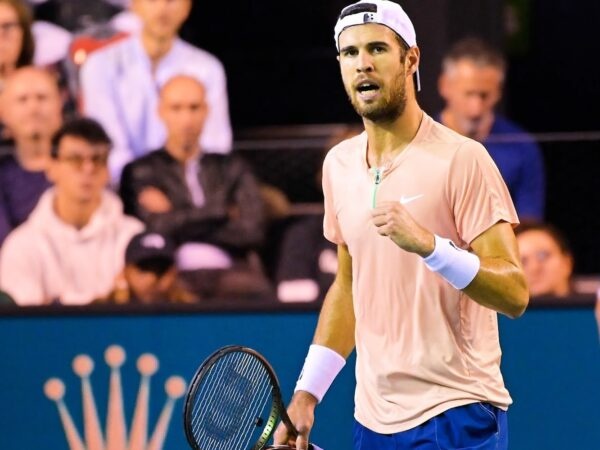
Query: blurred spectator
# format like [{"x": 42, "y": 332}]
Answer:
[
  {"x": 16, "y": 42},
  {"x": 210, "y": 203},
  {"x": 31, "y": 110},
  {"x": 120, "y": 83},
  {"x": 307, "y": 260},
  {"x": 547, "y": 260},
  {"x": 307, "y": 263},
  {"x": 75, "y": 15},
  {"x": 72, "y": 246},
  {"x": 471, "y": 84},
  {"x": 24, "y": 42},
  {"x": 150, "y": 275}
]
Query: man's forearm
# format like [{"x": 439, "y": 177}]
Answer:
[{"x": 499, "y": 285}]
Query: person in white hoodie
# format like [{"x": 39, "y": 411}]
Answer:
[{"x": 71, "y": 248}]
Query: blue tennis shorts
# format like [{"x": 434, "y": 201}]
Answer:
[{"x": 477, "y": 426}]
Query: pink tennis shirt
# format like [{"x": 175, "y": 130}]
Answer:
[{"x": 422, "y": 346}]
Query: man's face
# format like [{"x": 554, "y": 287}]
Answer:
[
  {"x": 11, "y": 36},
  {"x": 31, "y": 105},
  {"x": 183, "y": 110},
  {"x": 162, "y": 18},
  {"x": 373, "y": 71},
  {"x": 471, "y": 92},
  {"x": 79, "y": 172},
  {"x": 150, "y": 286},
  {"x": 546, "y": 268}
]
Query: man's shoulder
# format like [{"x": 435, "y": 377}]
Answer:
[
  {"x": 24, "y": 239},
  {"x": 507, "y": 134},
  {"x": 153, "y": 158},
  {"x": 503, "y": 124},
  {"x": 437, "y": 132},
  {"x": 111, "y": 52},
  {"x": 347, "y": 151},
  {"x": 224, "y": 161}
]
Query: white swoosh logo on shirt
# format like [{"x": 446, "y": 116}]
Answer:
[{"x": 404, "y": 200}]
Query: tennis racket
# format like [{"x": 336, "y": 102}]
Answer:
[{"x": 234, "y": 403}]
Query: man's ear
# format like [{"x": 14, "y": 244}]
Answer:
[{"x": 411, "y": 60}]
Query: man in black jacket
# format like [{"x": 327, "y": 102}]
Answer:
[{"x": 210, "y": 204}]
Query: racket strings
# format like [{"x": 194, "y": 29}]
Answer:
[
  {"x": 219, "y": 389},
  {"x": 228, "y": 407}
]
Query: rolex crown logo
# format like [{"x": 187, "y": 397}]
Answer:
[{"x": 115, "y": 436}]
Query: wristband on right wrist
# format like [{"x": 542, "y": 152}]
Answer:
[{"x": 321, "y": 366}]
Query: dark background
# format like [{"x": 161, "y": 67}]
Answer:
[
  {"x": 280, "y": 61},
  {"x": 280, "y": 57},
  {"x": 281, "y": 66}
]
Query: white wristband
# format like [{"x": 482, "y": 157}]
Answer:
[
  {"x": 321, "y": 366},
  {"x": 457, "y": 266}
]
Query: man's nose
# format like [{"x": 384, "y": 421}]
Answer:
[
  {"x": 365, "y": 62},
  {"x": 476, "y": 106}
]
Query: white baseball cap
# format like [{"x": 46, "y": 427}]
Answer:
[{"x": 383, "y": 12}]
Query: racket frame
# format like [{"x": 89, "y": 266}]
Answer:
[{"x": 277, "y": 412}]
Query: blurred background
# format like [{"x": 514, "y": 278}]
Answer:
[{"x": 286, "y": 106}]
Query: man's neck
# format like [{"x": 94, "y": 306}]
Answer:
[
  {"x": 33, "y": 155},
  {"x": 388, "y": 140},
  {"x": 77, "y": 214},
  {"x": 155, "y": 48},
  {"x": 182, "y": 153}
]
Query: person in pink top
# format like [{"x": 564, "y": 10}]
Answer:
[{"x": 427, "y": 257}]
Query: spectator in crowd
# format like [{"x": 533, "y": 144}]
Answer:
[
  {"x": 307, "y": 260},
  {"x": 547, "y": 260},
  {"x": 120, "y": 83},
  {"x": 31, "y": 109},
  {"x": 71, "y": 248},
  {"x": 471, "y": 83},
  {"x": 307, "y": 263},
  {"x": 150, "y": 275},
  {"x": 16, "y": 43},
  {"x": 209, "y": 203}
]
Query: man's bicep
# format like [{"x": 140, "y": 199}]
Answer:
[{"x": 498, "y": 241}]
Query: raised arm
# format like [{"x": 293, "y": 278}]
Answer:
[{"x": 491, "y": 275}]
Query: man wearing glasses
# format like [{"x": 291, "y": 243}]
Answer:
[{"x": 71, "y": 248}]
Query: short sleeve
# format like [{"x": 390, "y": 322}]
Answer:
[
  {"x": 331, "y": 226},
  {"x": 477, "y": 193}
]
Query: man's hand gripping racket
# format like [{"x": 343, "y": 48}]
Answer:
[{"x": 234, "y": 403}]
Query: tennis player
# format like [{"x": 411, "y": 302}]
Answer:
[{"x": 427, "y": 257}]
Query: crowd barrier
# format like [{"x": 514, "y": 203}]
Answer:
[{"x": 63, "y": 366}]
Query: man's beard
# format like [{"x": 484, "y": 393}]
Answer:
[{"x": 390, "y": 110}]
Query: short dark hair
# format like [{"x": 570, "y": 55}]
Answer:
[
  {"x": 24, "y": 17},
  {"x": 477, "y": 50},
  {"x": 84, "y": 128},
  {"x": 555, "y": 234}
]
